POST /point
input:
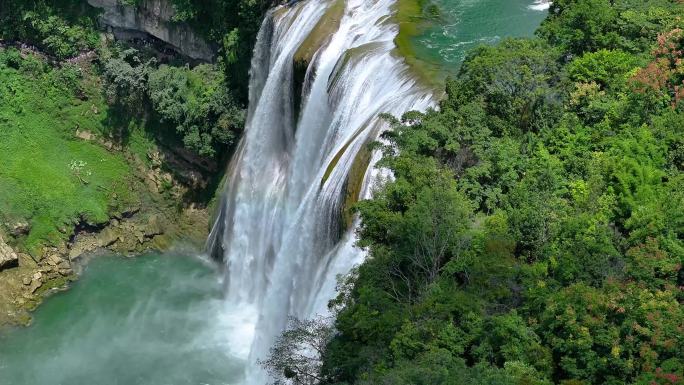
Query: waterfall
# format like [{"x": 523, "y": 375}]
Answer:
[{"x": 322, "y": 72}]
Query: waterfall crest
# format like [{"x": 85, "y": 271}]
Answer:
[{"x": 322, "y": 72}]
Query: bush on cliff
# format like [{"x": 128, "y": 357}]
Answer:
[
  {"x": 194, "y": 102},
  {"x": 61, "y": 28}
]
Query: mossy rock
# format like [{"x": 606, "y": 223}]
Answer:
[
  {"x": 355, "y": 177},
  {"x": 59, "y": 283},
  {"x": 410, "y": 17},
  {"x": 320, "y": 36},
  {"x": 354, "y": 183},
  {"x": 338, "y": 156}
]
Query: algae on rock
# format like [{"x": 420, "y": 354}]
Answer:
[{"x": 317, "y": 39}]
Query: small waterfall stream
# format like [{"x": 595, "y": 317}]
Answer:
[{"x": 283, "y": 229}]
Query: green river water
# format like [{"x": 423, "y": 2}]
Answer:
[
  {"x": 148, "y": 320},
  {"x": 157, "y": 319},
  {"x": 465, "y": 24}
]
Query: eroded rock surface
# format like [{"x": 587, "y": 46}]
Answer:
[
  {"x": 8, "y": 258},
  {"x": 154, "y": 18}
]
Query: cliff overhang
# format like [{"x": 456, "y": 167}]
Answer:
[{"x": 153, "y": 19}]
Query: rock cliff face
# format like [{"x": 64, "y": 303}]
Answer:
[
  {"x": 153, "y": 18},
  {"x": 8, "y": 258}
]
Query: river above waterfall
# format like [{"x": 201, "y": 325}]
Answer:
[
  {"x": 461, "y": 25},
  {"x": 147, "y": 320}
]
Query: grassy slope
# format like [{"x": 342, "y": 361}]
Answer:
[{"x": 39, "y": 114}]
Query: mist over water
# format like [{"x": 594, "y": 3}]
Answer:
[
  {"x": 282, "y": 232},
  {"x": 151, "y": 320}
]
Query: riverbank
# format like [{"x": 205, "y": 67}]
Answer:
[
  {"x": 155, "y": 225},
  {"x": 68, "y": 188},
  {"x": 146, "y": 228},
  {"x": 167, "y": 315}
]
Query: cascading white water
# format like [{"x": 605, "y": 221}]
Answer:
[
  {"x": 281, "y": 230},
  {"x": 541, "y": 5}
]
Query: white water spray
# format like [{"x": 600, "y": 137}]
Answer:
[
  {"x": 282, "y": 232},
  {"x": 541, "y": 5}
]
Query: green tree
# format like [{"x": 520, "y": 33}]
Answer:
[{"x": 295, "y": 356}]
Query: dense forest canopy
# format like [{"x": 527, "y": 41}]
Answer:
[
  {"x": 65, "y": 28},
  {"x": 534, "y": 230}
]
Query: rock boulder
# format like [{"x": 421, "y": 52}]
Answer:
[
  {"x": 8, "y": 258},
  {"x": 19, "y": 228}
]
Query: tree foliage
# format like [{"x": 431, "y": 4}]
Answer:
[
  {"x": 533, "y": 231},
  {"x": 195, "y": 103},
  {"x": 62, "y": 28},
  {"x": 296, "y": 355},
  {"x": 198, "y": 103},
  {"x": 233, "y": 26}
]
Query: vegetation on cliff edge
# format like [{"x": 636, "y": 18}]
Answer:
[
  {"x": 533, "y": 233},
  {"x": 49, "y": 177}
]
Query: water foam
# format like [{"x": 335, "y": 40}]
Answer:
[{"x": 281, "y": 230}]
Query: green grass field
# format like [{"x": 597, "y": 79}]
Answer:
[{"x": 48, "y": 177}]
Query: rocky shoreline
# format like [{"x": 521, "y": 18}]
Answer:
[
  {"x": 156, "y": 224},
  {"x": 26, "y": 280},
  {"x": 170, "y": 188}
]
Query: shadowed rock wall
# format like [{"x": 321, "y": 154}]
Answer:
[{"x": 154, "y": 18}]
